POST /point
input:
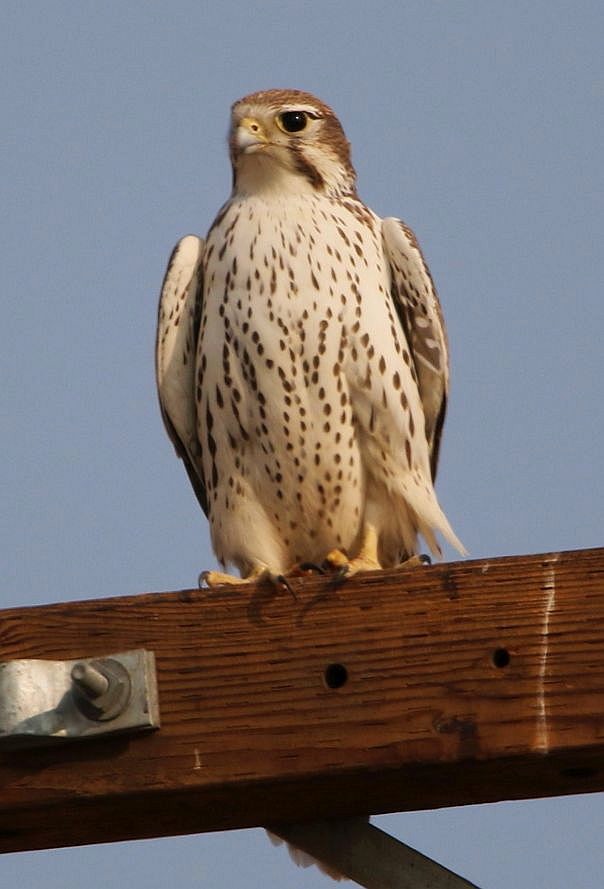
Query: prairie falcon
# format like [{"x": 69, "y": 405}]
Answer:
[{"x": 301, "y": 358}]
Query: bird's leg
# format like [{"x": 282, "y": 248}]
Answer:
[
  {"x": 213, "y": 579},
  {"x": 367, "y": 559},
  {"x": 258, "y": 571}
]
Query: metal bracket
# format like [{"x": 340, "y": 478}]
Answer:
[
  {"x": 354, "y": 848},
  {"x": 48, "y": 702}
]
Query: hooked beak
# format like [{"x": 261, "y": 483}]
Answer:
[{"x": 250, "y": 136}]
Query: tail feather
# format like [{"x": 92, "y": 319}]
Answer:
[
  {"x": 430, "y": 518},
  {"x": 304, "y": 859}
]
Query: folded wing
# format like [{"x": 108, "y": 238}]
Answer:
[
  {"x": 177, "y": 330},
  {"x": 420, "y": 314}
]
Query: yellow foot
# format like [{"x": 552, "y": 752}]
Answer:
[
  {"x": 214, "y": 579},
  {"x": 367, "y": 559},
  {"x": 346, "y": 567},
  {"x": 415, "y": 562}
]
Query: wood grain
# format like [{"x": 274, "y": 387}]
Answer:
[{"x": 466, "y": 682}]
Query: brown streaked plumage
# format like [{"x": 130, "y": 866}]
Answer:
[
  {"x": 302, "y": 360},
  {"x": 302, "y": 357}
]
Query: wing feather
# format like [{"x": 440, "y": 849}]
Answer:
[
  {"x": 178, "y": 320},
  {"x": 420, "y": 314}
]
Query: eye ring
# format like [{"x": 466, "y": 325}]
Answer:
[{"x": 293, "y": 121}]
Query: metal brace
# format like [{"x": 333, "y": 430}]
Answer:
[
  {"x": 354, "y": 848},
  {"x": 45, "y": 702}
]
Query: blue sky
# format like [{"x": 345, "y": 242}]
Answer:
[{"x": 482, "y": 125}]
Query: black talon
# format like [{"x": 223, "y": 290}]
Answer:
[
  {"x": 312, "y": 566},
  {"x": 425, "y": 559},
  {"x": 337, "y": 574},
  {"x": 282, "y": 579},
  {"x": 341, "y": 574}
]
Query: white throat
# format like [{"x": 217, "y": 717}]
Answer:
[{"x": 265, "y": 176}]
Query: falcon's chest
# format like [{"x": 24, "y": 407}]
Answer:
[
  {"x": 292, "y": 258},
  {"x": 298, "y": 318}
]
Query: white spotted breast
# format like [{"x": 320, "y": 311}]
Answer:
[{"x": 301, "y": 356}]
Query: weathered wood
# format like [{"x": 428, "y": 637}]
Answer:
[{"x": 466, "y": 682}]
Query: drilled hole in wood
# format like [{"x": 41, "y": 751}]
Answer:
[
  {"x": 336, "y": 675},
  {"x": 500, "y": 657}
]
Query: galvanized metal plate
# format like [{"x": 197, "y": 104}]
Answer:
[{"x": 44, "y": 702}]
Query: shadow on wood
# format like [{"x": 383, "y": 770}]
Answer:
[{"x": 438, "y": 686}]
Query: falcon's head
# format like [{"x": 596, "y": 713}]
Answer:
[{"x": 288, "y": 141}]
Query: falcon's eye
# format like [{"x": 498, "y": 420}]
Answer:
[{"x": 293, "y": 121}]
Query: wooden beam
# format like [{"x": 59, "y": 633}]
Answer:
[{"x": 458, "y": 683}]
